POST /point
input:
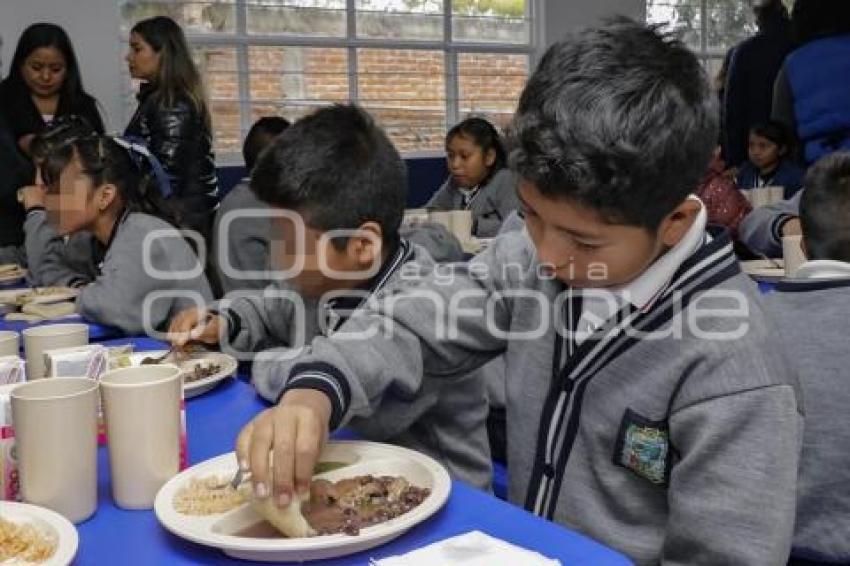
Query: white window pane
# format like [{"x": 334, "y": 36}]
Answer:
[
  {"x": 405, "y": 90},
  {"x": 194, "y": 17},
  {"x": 489, "y": 85},
  {"x": 391, "y": 19},
  {"x": 324, "y": 18},
  {"x": 306, "y": 74},
  {"x": 684, "y": 17},
  {"x": 490, "y": 21},
  {"x": 227, "y": 134},
  {"x": 728, "y": 23}
]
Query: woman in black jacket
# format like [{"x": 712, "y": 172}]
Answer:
[
  {"x": 44, "y": 83},
  {"x": 173, "y": 119}
]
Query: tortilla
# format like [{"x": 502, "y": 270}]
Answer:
[{"x": 288, "y": 520}]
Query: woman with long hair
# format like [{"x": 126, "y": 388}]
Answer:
[
  {"x": 173, "y": 119},
  {"x": 44, "y": 83}
]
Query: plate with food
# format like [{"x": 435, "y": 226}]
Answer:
[
  {"x": 764, "y": 269},
  {"x": 11, "y": 273},
  {"x": 38, "y": 295},
  {"x": 202, "y": 369},
  {"x": 35, "y": 535},
  {"x": 363, "y": 494}
]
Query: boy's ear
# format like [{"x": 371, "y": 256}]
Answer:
[
  {"x": 490, "y": 157},
  {"x": 106, "y": 196},
  {"x": 676, "y": 224},
  {"x": 365, "y": 246}
]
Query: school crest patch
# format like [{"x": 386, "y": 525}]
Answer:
[{"x": 643, "y": 446}]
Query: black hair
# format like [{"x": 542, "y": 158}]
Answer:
[
  {"x": 825, "y": 208},
  {"x": 262, "y": 132},
  {"x": 338, "y": 169},
  {"x": 71, "y": 95},
  {"x": 105, "y": 161},
  {"x": 619, "y": 119},
  {"x": 775, "y": 132},
  {"x": 484, "y": 135},
  {"x": 771, "y": 13},
  {"x": 815, "y": 19}
]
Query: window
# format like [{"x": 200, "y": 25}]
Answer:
[{"x": 417, "y": 65}]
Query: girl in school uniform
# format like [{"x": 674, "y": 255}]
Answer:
[
  {"x": 133, "y": 267},
  {"x": 479, "y": 180},
  {"x": 770, "y": 163}
]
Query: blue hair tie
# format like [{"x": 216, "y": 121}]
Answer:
[{"x": 137, "y": 150}]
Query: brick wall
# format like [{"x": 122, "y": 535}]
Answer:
[{"x": 404, "y": 89}]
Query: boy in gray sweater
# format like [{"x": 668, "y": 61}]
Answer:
[
  {"x": 338, "y": 172},
  {"x": 811, "y": 313},
  {"x": 646, "y": 404}
]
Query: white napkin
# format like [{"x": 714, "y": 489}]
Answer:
[{"x": 471, "y": 549}]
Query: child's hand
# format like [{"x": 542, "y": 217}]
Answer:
[
  {"x": 295, "y": 431},
  {"x": 792, "y": 227},
  {"x": 32, "y": 196},
  {"x": 195, "y": 325}
]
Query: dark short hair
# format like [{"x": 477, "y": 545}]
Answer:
[
  {"x": 337, "y": 169},
  {"x": 825, "y": 208},
  {"x": 619, "y": 119},
  {"x": 775, "y": 132},
  {"x": 484, "y": 135},
  {"x": 814, "y": 19},
  {"x": 261, "y": 134}
]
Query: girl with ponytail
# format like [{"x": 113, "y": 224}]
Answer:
[{"x": 105, "y": 194}]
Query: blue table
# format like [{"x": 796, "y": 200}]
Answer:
[{"x": 116, "y": 536}]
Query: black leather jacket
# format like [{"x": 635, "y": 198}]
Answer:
[{"x": 178, "y": 137}]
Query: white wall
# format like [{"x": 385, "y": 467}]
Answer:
[
  {"x": 94, "y": 29},
  {"x": 563, "y": 16}
]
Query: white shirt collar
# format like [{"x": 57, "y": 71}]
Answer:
[
  {"x": 641, "y": 291},
  {"x": 823, "y": 269}
]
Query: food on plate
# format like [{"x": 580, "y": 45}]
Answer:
[
  {"x": 323, "y": 467},
  {"x": 39, "y": 292},
  {"x": 24, "y": 543},
  {"x": 205, "y": 496},
  {"x": 200, "y": 371},
  {"x": 345, "y": 506}
]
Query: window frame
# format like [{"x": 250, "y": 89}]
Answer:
[{"x": 242, "y": 40}]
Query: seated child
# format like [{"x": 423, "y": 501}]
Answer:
[
  {"x": 246, "y": 237},
  {"x": 479, "y": 180},
  {"x": 810, "y": 313},
  {"x": 123, "y": 245},
  {"x": 770, "y": 163},
  {"x": 331, "y": 171},
  {"x": 647, "y": 403},
  {"x": 724, "y": 203}
]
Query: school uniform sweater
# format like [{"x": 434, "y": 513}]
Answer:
[
  {"x": 490, "y": 204},
  {"x": 761, "y": 230},
  {"x": 247, "y": 240},
  {"x": 117, "y": 279},
  {"x": 679, "y": 447},
  {"x": 811, "y": 313},
  {"x": 787, "y": 174},
  {"x": 442, "y": 419}
]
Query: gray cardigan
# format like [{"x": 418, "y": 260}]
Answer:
[
  {"x": 497, "y": 199},
  {"x": 114, "y": 292},
  {"x": 811, "y": 319},
  {"x": 759, "y": 231},
  {"x": 677, "y": 449},
  {"x": 445, "y": 420}
]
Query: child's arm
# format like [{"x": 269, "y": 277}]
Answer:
[
  {"x": 442, "y": 199},
  {"x": 50, "y": 260},
  {"x": 391, "y": 343},
  {"x": 732, "y": 494},
  {"x": 761, "y": 230}
]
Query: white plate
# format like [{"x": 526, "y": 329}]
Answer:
[
  {"x": 763, "y": 269},
  {"x": 17, "y": 296},
  {"x": 363, "y": 457},
  {"x": 51, "y": 523},
  {"x": 9, "y": 277},
  {"x": 193, "y": 389}
]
